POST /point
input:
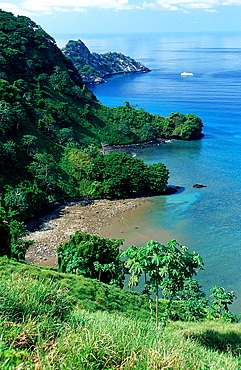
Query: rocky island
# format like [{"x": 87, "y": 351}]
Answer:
[{"x": 94, "y": 68}]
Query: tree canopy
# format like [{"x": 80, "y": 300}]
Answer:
[
  {"x": 92, "y": 256},
  {"x": 166, "y": 267},
  {"x": 118, "y": 175}
]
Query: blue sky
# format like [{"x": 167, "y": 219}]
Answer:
[{"x": 119, "y": 16}]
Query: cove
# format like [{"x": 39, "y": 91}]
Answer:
[{"x": 207, "y": 220}]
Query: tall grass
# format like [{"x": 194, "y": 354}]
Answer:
[
  {"x": 90, "y": 294},
  {"x": 43, "y": 328},
  {"x": 100, "y": 340},
  {"x": 23, "y": 296},
  {"x": 107, "y": 341}
]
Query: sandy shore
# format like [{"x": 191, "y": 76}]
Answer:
[{"x": 55, "y": 228}]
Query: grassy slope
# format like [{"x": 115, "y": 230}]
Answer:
[
  {"x": 88, "y": 293},
  {"x": 58, "y": 321}
]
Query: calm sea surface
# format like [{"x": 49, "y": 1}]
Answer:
[{"x": 206, "y": 220}]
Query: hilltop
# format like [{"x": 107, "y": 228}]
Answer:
[{"x": 94, "y": 67}]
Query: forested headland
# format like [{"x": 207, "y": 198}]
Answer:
[{"x": 94, "y": 67}]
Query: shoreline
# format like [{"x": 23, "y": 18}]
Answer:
[
  {"x": 129, "y": 148},
  {"x": 51, "y": 230}
]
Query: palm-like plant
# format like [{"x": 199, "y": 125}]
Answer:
[{"x": 167, "y": 267}]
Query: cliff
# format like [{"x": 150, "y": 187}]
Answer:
[{"x": 94, "y": 67}]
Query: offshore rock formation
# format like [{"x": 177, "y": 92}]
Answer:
[
  {"x": 94, "y": 67},
  {"x": 199, "y": 186}
]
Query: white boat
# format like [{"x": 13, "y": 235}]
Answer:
[{"x": 186, "y": 74}]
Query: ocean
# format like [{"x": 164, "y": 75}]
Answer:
[{"x": 207, "y": 220}]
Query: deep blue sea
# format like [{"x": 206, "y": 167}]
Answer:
[{"x": 207, "y": 220}]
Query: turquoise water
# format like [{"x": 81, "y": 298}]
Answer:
[{"x": 208, "y": 219}]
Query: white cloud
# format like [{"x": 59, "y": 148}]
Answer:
[
  {"x": 15, "y": 9},
  {"x": 188, "y": 4},
  {"x": 78, "y": 9},
  {"x": 8, "y": 6},
  {"x": 148, "y": 5},
  {"x": 74, "y": 4},
  {"x": 28, "y": 7},
  {"x": 231, "y": 2}
]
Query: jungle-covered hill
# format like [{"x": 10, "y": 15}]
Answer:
[{"x": 45, "y": 108}]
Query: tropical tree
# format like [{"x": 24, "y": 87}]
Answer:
[
  {"x": 158, "y": 176},
  {"x": 29, "y": 141},
  {"x": 167, "y": 267},
  {"x": 194, "y": 304},
  {"x": 121, "y": 175},
  {"x": 220, "y": 301},
  {"x": 92, "y": 256},
  {"x": 11, "y": 233}
]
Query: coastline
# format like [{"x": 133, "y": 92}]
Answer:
[
  {"x": 102, "y": 217},
  {"x": 55, "y": 228},
  {"x": 129, "y": 148}
]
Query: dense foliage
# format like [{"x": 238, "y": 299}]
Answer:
[
  {"x": 118, "y": 175},
  {"x": 92, "y": 256},
  {"x": 166, "y": 267},
  {"x": 48, "y": 120}
]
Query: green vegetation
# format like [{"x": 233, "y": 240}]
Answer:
[
  {"x": 52, "y": 129},
  {"x": 52, "y": 320},
  {"x": 167, "y": 267},
  {"x": 220, "y": 301},
  {"x": 92, "y": 256},
  {"x": 118, "y": 175},
  {"x": 86, "y": 293}
]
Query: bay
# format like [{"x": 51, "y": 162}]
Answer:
[{"x": 208, "y": 219}]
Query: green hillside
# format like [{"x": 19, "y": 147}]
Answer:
[{"x": 59, "y": 321}]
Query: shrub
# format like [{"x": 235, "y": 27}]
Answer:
[{"x": 92, "y": 256}]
